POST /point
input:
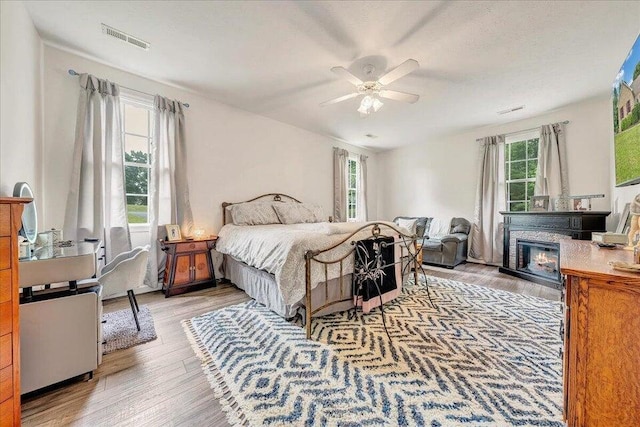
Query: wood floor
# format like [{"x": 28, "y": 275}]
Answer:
[{"x": 161, "y": 382}]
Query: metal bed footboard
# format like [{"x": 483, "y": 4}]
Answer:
[{"x": 326, "y": 258}]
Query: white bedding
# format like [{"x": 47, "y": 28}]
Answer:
[{"x": 279, "y": 249}]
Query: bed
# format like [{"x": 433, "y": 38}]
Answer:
[{"x": 301, "y": 268}]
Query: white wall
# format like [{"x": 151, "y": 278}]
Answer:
[
  {"x": 438, "y": 178},
  {"x": 233, "y": 155},
  {"x": 20, "y": 105}
]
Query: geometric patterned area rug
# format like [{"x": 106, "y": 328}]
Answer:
[
  {"x": 480, "y": 357},
  {"x": 119, "y": 329}
]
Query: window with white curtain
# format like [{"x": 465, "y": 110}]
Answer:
[
  {"x": 137, "y": 127},
  {"x": 521, "y": 163},
  {"x": 353, "y": 175}
]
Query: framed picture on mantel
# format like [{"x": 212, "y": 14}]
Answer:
[{"x": 539, "y": 203}]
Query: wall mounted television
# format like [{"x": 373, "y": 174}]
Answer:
[{"x": 626, "y": 119}]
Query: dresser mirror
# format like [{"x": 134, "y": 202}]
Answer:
[{"x": 29, "y": 215}]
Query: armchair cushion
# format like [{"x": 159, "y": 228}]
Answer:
[
  {"x": 432, "y": 245},
  {"x": 455, "y": 237}
]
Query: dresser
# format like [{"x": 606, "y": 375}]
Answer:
[
  {"x": 10, "y": 222},
  {"x": 601, "y": 332},
  {"x": 189, "y": 265}
]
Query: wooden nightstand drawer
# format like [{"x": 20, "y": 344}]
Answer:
[
  {"x": 191, "y": 247},
  {"x": 6, "y": 350}
]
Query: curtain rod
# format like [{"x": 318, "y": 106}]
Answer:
[
  {"x": 75, "y": 73},
  {"x": 530, "y": 129}
]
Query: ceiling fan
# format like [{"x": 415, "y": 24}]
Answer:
[{"x": 373, "y": 89}]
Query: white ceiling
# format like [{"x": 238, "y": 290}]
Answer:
[{"x": 274, "y": 58}]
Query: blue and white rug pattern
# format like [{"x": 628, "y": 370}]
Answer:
[{"x": 481, "y": 357}]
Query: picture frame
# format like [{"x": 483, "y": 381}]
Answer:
[
  {"x": 625, "y": 220},
  {"x": 581, "y": 204},
  {"x": 539, "y": 203},
  {"x": 173, "y": 232}
]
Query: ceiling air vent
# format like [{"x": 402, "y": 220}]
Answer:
[
  {"x": 122, "y": 36},
  {"x": 511, "y": 110}
]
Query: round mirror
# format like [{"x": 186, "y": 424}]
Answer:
[{"x": 29, "y": 215}]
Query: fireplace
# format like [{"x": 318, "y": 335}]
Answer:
[
  {"x": 539, "y": 259},
  {"x": 546, "y": 229}
]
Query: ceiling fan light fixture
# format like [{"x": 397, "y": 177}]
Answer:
[
  {"x": 377, "y": 104},
  {"x": 369, "y": 105}
]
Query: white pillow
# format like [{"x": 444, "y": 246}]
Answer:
[
  {"x": 298, "y": 213},
  {"x": 438, "y": 228},
  {"x": 253, "y": 213},
  {"x": 408, "y": 224}
]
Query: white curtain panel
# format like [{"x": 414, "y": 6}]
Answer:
[
  {"x": 340, "y": 167},
  {"x": 552, "y": 176},
  {"x": 362, "y": 189},
  {"x": 96, "y": 203},
  {"x": 486, "y": 240},
  {"x": 168, "y": 188}
]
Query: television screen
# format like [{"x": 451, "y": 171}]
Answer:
[{"x": 626, "y": 119}]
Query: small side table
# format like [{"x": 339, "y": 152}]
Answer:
[
  {"x": 419, "y": 254},
  {"x": 189, "y": 265}
]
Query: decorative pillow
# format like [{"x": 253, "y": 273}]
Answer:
[
  {"x": 438, "y": 228},
  {"x": 253, "y": 213},
  {"x": 408, "y": 224},
  {"x": 297, "y": 213}
]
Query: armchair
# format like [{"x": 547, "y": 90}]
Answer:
[{"x": 449, "y": 250}]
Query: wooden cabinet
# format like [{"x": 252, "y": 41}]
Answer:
[
  {"x": 10, "y": 221},
  {"x": 189, "y": 265},
  {"x": 601, "y": 330}
]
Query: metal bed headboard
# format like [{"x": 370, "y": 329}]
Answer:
[{"x": 275, "y": 197}]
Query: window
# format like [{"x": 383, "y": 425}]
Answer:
[
  {"x": 137, "y": 125},
  {"x": 628, "y": 107},
  {"x": 352, "y": 189},
  {"x": 622, "y": 112},
  {"x": 521, "y": 163}
]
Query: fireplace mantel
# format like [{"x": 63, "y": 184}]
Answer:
[{"x": 547, "y": 227}]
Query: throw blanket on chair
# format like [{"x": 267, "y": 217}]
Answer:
[{"x": 377, "y": 277}]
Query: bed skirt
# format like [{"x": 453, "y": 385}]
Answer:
[{"x": 262, "y": 287}]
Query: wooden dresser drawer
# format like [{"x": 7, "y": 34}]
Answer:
[
  {"x": 6, "y": 287},
  {"x": 5, "y": 253},
  {"x": 6, "y": 413},
  {"x": 6, "y": 383},
  {"x": 6, "y": 317},
  {"x": 6, "y": 350},
  {"x": 5, "y": 220},
  {"x": 191, "y": 247}
]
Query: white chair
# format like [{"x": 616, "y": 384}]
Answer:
[{"x": 125, "y": 273}]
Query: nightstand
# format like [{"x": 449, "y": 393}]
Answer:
[{"x": 189, "y": 265}]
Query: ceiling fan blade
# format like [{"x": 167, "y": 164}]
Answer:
[
  {"x": 339, "y": 99},
  {"x": 401, "y": 70},
  {"x": 346, "y": 74},
  {"x": 399, "y": 96}
]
